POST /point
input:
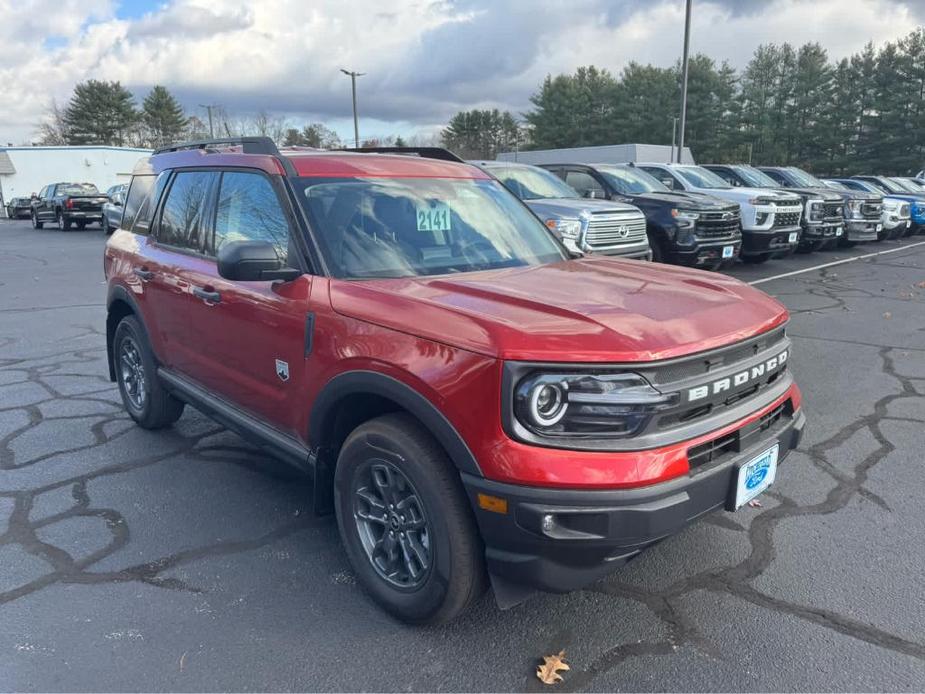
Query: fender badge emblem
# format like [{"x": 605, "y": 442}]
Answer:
[{"x": 282, "y": 370}]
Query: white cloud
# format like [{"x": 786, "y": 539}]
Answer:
[{"x": 424, "y": 59}]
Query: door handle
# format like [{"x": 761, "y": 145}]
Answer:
[
  {"x": 143, "y": 273},
  {"x": 210, "y": 297}
]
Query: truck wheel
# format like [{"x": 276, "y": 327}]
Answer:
[
  {"x": 36, "y": 224},
  {"x": 405, "y": 522},
  {"x": 143, "y": 395},
  {"x": 81, "y": 225},
  {"x": 63, "y": 223},
  {"x": 845, "y": 243},
  {"x": 756, "y": 259}
]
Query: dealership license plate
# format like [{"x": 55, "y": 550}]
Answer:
[
  {"x": 838, "y": 231},
  {"x": 793, "y": 237},
  {"x": 879, "y": 227},
  {"x": 908, "y": 224},
  {"x": 728, "y": 251},
  {"x": 756, "y": 475}
]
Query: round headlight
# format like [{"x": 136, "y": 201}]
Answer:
[{"x": 547, "y": 404}]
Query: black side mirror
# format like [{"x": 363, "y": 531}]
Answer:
[{"x": 253, "y": 261}]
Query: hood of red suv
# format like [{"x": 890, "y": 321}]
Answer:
[{"x": 590, "y": 310}]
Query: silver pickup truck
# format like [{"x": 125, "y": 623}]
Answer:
[{"x": 587, "y": 226}]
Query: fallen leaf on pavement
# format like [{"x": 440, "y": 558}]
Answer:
[
  {"x": 547, "y": 672},
  {"x": 887, "y": 315},
  {"x": 921, "y": 285},
  {"x": 754, "y": 503}
]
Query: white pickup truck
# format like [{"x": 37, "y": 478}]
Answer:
[{"x": 770, "y": 218}]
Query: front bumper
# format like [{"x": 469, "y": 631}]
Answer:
[
  {"x": 594, "y": 532},
  {"x": 640, "y": 251},
  {"x": 756, "y": 242},
  {"x": 707, "y": 253},
  {"x": 862, "y": 229}
]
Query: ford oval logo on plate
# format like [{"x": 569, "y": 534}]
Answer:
[{"x": 756, "y": 475}]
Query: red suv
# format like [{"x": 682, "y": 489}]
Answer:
[{"x": 473, "y": 402}]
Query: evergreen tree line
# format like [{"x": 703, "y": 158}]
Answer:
[
  {"x": 105, "y": 113},
  {"x": 789, "y": 106}
]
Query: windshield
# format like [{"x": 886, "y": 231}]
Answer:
[
  {"x": 700, "y": 177},
  {"x": 905, "y": 186},
  {"x": 529, "y": 183},
  {"x": 629, "y": 180},
  {"x": 77, "y": 189},
  {"x": 803, "y": 179},
  {"x": 863, "y": 185},
  {"x": 380, "y": 227},
  {"x": 755, "y": 178},
  {"x": 836, "y": 185}
]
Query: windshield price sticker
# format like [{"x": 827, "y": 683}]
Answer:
[{"x": 433, "y": 217}]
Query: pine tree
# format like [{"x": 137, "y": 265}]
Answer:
[
  {"x": 100, "y": 113},
  {"x": 163, "y": 117},
  {"x": 481, "y": 134}
]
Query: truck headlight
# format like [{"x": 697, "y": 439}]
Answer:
[
  {"x": 565, "y": 228},
  {"x": 602, "y": 405},
  {"x": 815, "y": 209}
]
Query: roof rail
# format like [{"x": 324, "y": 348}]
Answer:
[
  {"x": 256, "y": 144},
  {"x": 250, "y": 145},
  {"x": 426, "y": 152}
]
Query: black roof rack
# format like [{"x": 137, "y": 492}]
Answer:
[
  {"x": 257, "y": 144},
  {"x": 250, "y": 145},
  {"x": 426, "y": 152}
]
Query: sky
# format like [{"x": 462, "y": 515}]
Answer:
[{"x": 424, "y": 59}]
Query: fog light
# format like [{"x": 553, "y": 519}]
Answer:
[{"x": 549, "y": 522}]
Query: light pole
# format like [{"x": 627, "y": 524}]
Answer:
[
  {"x": 684, "y": 66},
  {"x": 353, "y": 84},
  {"x": 674, "y": 135},
  {"x": 209, "y": 107}
]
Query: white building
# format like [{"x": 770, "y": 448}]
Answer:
[
  {"x": 605, "y": 154},
  {"x": 26, "y": 170}
]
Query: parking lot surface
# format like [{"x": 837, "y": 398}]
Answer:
[{"x": 135, "y": 560}]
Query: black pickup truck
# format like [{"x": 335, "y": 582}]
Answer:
[
  {"x": 68, "y": 204},
  {"x": 683, "y": 228}
]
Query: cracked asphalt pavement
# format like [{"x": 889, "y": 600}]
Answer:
[{"x": 134, "y": 560}]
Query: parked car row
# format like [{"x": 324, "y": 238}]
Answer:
[
  {"x": 70, "y": 205},
  {"x": 708, "y": 216}
]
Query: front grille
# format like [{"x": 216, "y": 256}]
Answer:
[
  {"x": 785, "y": 203},
  {"x": 871, "y": 210},
  {"x": 609, "y": 229},
  {"x": 718, "y": 449},
  {"x": 833, "y": 210},
  {"x": 718, "y": 225},
  {"x": 786, "y": 219}
]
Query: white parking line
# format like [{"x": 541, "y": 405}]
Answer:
[{"x": 836, "y": 262}]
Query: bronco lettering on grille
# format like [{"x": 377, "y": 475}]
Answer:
[{"x": 737, "y": 380}]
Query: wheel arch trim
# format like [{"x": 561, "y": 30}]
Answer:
[{"x": 374, "y": 383}]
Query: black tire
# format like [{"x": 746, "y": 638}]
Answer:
[
  {"x": 36, "y": 224},
  {"x": 396, "y": 449},
  {"x": 81, "y": 225},
  {"x": 658, "y": 253},
  {"x": 843, "y": 242},
  {"x": 137, "y": 373},
  {"x": 756, "y": 259},
  {"x": 64, "y": 224}
]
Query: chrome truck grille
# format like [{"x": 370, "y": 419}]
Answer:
[{"x": 608, "y": 229}]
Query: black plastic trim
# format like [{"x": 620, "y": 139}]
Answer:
[
  {"x": 374, "y": 383},
  {"x": 309, "y": 333},
  {"x": 281, "y": 445}
]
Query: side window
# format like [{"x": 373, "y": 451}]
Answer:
[
  {"x": 727, "y": 176},
  {"x": 586, "y": 185},
  {"x": 141, "y": 201},
  {"x": 182, "y": 221},
  {"x": 249, "y": 210},
  {"x": 50, "y": 192},
  {"x": 663, "y": 177},
  {"x": 777, "y": 177},
  {"x": 43, "y": 191}
]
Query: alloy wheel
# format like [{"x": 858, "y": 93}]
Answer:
[
  {"x": 132, "y": 371},
  {"x": 392, "y": 524}
]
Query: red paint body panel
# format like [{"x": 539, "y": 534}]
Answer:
[
  {"x": 445, "y": 337},
  {"x": 591, "y": 310}
]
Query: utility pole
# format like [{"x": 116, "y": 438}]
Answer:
[
  {"x": 684, "y": 66},
  {"x": 209, "y": 107},
  {"x": 353, "y": 84},
  {"x": 674, "y": 136}
]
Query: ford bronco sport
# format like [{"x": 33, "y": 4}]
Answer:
[{"x": 473, "y": 403}]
